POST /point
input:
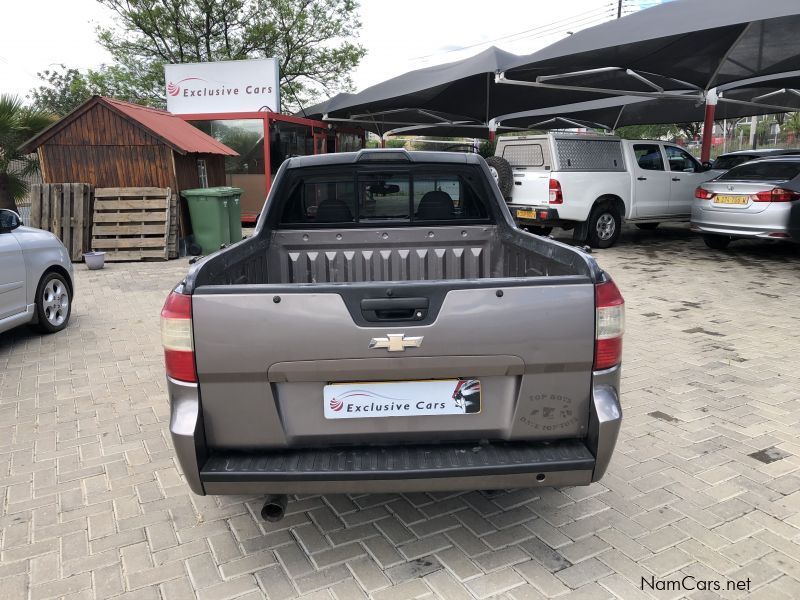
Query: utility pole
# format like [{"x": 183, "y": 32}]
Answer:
[
  {"x": 753, "y": 128},
  {"x": 619, "y": 9}
]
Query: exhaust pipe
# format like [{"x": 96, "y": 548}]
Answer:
[{"x": 274, "y": 508}]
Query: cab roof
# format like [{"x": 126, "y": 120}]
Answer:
[{"x": 379, "y": 155}]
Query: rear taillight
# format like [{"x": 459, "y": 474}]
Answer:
[
  {"x": 703, "y": 194},
  {"x": 609, "y": 325},
  {"x": 776, "y": 195},
  {"x": 176, "y": 337},
  {"x": 556, "y": 197}
]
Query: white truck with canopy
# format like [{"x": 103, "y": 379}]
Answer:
[{"x": 592, "y": 183}]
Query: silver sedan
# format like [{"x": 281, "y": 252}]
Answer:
[
  {"x": 36, "y": 285},
  {"x": 752, "y": 200}
]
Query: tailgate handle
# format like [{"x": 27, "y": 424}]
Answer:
[{"x": 394, "y": 309}]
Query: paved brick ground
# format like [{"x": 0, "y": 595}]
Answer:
[{"x": 705, "y": 481}]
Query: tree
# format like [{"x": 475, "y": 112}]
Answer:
[
  {"x": 647, "y": 132},
  {"x": 792, "y": 123},
  {"x": 312, "y": 39},
  {"x": 18, "y": 123},
  {"x": 487, "y": 148},
  {"x": 691, "y": 131},
  {"x": 68, "y": 88},
  {"x": 65, "y": 90}
]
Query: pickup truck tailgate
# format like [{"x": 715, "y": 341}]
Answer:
[{"x": 265, "y": 354}]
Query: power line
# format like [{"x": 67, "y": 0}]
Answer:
[
  {"x": 570, "y": 27},
  {"x": 567, "y": 25},
  {"x": 600, "y": 10}
]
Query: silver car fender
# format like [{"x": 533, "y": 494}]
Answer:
[{"x": 41, "y": 250}]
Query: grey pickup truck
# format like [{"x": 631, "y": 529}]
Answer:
[{"x": 388, "y": 328}]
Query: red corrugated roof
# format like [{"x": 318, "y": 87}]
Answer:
[{"x": 174, "y": 130}]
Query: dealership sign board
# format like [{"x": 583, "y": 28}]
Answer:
[{"x": 223, "y": 87}]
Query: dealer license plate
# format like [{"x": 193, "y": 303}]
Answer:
[
  {"x": 730, "y": 199},
  {"x": 526, "y": 214},
  {"x": 363, "y": 400}
]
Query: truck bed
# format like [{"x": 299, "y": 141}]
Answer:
[{"x": 400, "y": 254}]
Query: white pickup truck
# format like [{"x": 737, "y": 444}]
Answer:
[{"x": 592, "y": 183}]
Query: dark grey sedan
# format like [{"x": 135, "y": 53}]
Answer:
[{"x": 733, "y": 159}]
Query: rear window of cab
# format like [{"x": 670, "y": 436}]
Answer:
[{"x": 385, "y": 197}]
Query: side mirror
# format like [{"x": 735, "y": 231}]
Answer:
[
  {"x": 707, "y": 166},
  {"x": 9, "y": 220}
]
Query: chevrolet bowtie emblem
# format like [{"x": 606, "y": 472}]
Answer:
[{"x": 396, "y": 342}]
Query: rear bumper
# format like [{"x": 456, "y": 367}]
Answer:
[
  {"x": 399, "y": 468},
  {"x": 770, "y": 223},
  {"x": 545, "y": 216},
  {"x": 772, "y": 233},
  {"x": 423, "y": 467}
]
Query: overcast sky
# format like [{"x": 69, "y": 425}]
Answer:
[{"x": 400, "y": 35}]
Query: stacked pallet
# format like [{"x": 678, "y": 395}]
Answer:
[
  {"x": 135, "y": 223},
  {"x": 65, "y": 210}
]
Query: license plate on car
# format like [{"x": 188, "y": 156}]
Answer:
[
  {"x": 730, "y": 199},
  {"x": 363, "y": 400},
  {"x": 526, "y": 214}
]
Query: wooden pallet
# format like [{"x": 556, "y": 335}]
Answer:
[
  {"x": 134, "y": 223},
  {"x": 65, "y": 210}
]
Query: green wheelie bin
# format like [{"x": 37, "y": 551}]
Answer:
[
  {"x": 208, "y": 209},
  {"x": 235, "y": 214}
]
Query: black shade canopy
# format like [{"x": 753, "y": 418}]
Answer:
[
  {"x": 464, "y": 89},
  {"x": 459, "y": 87},
  {"x": 684, "y": 44},
  {"x": 782, "y": 89},
  {"x": 620, "y": 111},
  {"x": 759, "y": 96},
  {"x": 316, "y": 111},
  {"x": 384, "y": 121},
  {"x": 454, "y": 130}
]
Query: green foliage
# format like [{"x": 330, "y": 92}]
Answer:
[
  {"x": 690, "y": 131},
  {"x": 68, "y": 88},
  {"x": 65, "y": 89},
  {"x": 18, "y": 123},
  {"x": 312, "y": 39},
  {"x": 487, "y": 148},
  {"x": 791, "y": 123},
  {"x": 762, "y": 131},
  {"x": 647, "y": 132}
]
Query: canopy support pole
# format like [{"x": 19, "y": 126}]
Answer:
[{"x": 708, "y": 125}]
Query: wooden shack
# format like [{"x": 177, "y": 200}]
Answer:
[{"x": 109, "y": 143}]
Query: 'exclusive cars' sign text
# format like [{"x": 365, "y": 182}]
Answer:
[{"x": 225, "y": 86}]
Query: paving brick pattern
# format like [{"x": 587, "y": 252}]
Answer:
[{"x": 705, "y": 481}]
